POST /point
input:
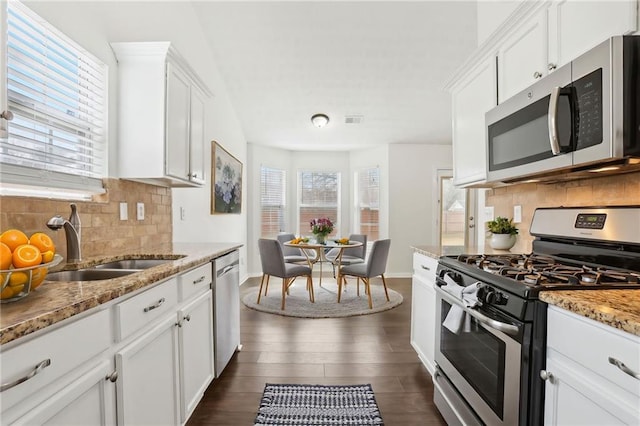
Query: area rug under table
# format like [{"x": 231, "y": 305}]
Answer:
[
  {"x": 326, "y": 301},
  {"x": 318, "y": 405}
]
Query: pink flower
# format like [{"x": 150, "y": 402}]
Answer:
[{"x": 322, "y": 226}]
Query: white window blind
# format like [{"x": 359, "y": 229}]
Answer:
[
  {"x": 57, "y": 94},
  {"x": 319, "y": 196},
  {"x": 272, "y": 201},
  {"x": 368, "y": 202}
]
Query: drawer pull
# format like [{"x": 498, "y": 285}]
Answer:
[
  {"x": 38, "y": 368},
  {"x": 547, "y": 375},
  {"x": 112, "y": 377},
  {"x": 188, "y": 317},
  {"x": 624, "y": 368},
  {"x": 155, "y": 305},
  {"x": 199, "y": 280},
  {"x": 425, "y": 267}
]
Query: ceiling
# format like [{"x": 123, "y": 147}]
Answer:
[{"x": 381, "y": 63}]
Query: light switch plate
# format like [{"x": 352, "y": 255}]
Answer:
[
  {"x": 488, "y": 213},
  {"x": 517, "y": 214},
  {"x": 124, "y": 215},
  {"x": 140, "y": 211}
]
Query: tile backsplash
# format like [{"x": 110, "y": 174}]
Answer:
[
  {"x": 617, "y": 190},
  {"x": 103, "y": 233}
]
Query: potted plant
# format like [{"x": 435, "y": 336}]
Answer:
[{"x": 503, "y": 233}]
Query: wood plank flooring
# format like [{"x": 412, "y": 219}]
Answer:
[{"x": 364, "y": 349}]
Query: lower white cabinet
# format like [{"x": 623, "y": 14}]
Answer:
[
  {"x": 195, "y": 341},
  {"x": 423, "y": 309},
  {"x": 583, "y": 387},
  {"x": 148, "y": 377},
  {"x": 89, "y": 400}
]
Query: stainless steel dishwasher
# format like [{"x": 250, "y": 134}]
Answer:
[{"x": 226, "y": 308}]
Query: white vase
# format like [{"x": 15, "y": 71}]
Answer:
[
  {"x": 502, "y": 241},
  {"x": 320, "y": 238}
]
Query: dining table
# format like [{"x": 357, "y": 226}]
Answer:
[{"x": 321, "y": 250}]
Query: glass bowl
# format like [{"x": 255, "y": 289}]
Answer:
[{"x": 19, "y": 282}]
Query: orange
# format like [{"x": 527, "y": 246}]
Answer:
[
  {"x": 47, "y": 256},
  {"x": 26, "y": 255},
  {"x": 37, "y": 277},
  {"x": 5, "y": 257},
  {"x": 43, "y": 242},
  {"x": 18, "y": 278},
  {"x": 14, "y": 238},
  {"x": 6, "y": 293}
]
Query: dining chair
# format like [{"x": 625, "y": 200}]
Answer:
[
  {"x": 375, "y": 265},
  {"x": 350, "y": 256},
  {"x": 291, "y": 254},
  {"x": 274, "y": 265}
]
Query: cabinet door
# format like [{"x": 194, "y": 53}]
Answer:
[
  {"x": 196, "y": 351},
  {"x": 471, "y": 99},
  {"x": 90, "y": 400},
  {"x": 522, "y": 59},
  {"x": 581, "y": 25},
  {"x": 423, "y": 321},
  {"x": 196, "y": 140},
  {"x": 177, "y": 122},
  {"x": 147, "y": 386}
]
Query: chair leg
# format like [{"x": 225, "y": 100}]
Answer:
[
  {"x": 312, "y": 296},
  {"x": 384, "y": 283},
  {"x": 260, "y": 291},
  {"x": 285, "y": 288},
  {"x": 358, "y": 286},
  {"x": 266, "y": 287},
  {"x": 367, "y": 288},
  {"x": 341, "y": 278}
]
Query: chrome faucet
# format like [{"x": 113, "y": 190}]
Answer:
[{"x": 72, "y": 229}]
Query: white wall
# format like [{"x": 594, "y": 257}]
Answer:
[
  {"x": 491, "y": 14},
  {"x": 94, "y": 25}
]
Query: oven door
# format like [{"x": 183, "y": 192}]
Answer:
[{"x": 482, "y": 361}]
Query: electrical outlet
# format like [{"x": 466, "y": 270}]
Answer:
[
  {"x": 488, "y": 213},
  {"x": 124, "y": 214},
  {"x": 140, "y": 211},
  {"x": 517, "y": 214}
]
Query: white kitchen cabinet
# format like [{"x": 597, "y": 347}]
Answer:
[
  {"x": 195, "y": 340},
  {"x": 147, "y": 385},
  {"x": 161, "y": 116},
  {"x": 582, "y": 386},
  {"x": 472, "y": 97},
  {"x": 423, "y": 309}
]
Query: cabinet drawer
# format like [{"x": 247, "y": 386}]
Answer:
[
  {"x": 425, "y": 266},
  {"x": 140, "y": 310},
  {"x": 65, "y": 348},
  {"x": 590, "y": 343},
  {"x": 195, "y": 281}
]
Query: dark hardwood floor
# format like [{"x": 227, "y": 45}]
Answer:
[{"x": 364, "y": 349}]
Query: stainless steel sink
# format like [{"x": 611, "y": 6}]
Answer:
[
  {"x": 89, "y": 274},
  {"x": 132, "y": 264}
]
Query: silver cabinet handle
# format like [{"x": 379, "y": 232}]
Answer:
[
  {"x": 624, "y": 368},
  {"x": 551, "y": 67},
  {"x": 38, "y": 368},
  {"x": 112, "y": 377},
  {"x": 7, "y": 115},
  {"x": 537, "y": 74},
  {"x": 547, "y": 375},
  {"x": 155, "y": 305},
  {"x": 425, "y": 267},
  {"x": 199, "y": 280},
  {"x": 552, "y": 116}
]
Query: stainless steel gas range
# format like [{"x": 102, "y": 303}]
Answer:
[{"x": 491, "y": 338}]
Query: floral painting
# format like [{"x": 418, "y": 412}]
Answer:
[{"x": 226, "y": 185}]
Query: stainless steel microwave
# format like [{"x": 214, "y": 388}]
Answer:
[{"x": 584, "y": 115}]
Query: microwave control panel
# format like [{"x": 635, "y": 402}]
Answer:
[{"x": 590, "y": 220}]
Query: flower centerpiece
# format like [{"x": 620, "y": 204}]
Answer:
[
  {"x": 503, "y": 233},
  {"x": 320, "y": 228}
]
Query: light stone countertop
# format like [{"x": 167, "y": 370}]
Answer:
[
  {"x": 618, "y": 308},
  {"x": 55, "y": 301}
]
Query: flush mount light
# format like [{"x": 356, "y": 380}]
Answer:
[{"x": 319, "y": 120}]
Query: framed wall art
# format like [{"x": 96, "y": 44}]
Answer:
[{"x": 226, "y": 182}]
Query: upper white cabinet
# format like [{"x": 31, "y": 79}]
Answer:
[
  {"x": 472, "y": 97},
  {"x": 160, "y": 116}
]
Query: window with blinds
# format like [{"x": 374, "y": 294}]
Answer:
[
  {"x": 319, "y": 196},
  {"x": 57, "y": 93},
  {"x": 368, "y": 202},
  {"x": 272, "y": 201}
]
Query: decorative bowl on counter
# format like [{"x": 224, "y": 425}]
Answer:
[{"x": 19, "y": 282}]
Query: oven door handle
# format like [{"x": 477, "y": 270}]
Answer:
[
  {"x": 509, "y": 329},
  {"x": 552, "y": 117}
]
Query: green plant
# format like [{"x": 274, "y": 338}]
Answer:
[{"x": 502, "y": 225}]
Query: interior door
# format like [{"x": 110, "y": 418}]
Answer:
[{"x": 456, "y": 212}]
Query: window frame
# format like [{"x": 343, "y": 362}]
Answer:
[
  {"x": 282, "y": 206},
  {"x": 338, "y": 205},
  {"x": 357, "y": 205}
]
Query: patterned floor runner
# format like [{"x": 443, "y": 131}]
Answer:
[{"x": 318, "y": 405}]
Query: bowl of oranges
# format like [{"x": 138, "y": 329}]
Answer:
[{"x": 24, "y": 263}]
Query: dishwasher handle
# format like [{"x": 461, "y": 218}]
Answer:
[{"x": 227, "y": 269}]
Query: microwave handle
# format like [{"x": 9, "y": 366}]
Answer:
[{"x": 552, "y": 116}]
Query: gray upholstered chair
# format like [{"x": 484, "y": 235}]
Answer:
[
  {"x": 350, "y": 256},
  {"x": 273, "y": 265},
  {"x": 291, "y": 254},
  {"x": 374, "y": 266}
]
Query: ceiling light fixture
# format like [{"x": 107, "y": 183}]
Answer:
[{"x": 319, "y": 120}]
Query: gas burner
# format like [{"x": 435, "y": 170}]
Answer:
[{"x": 491, "y": 268}]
